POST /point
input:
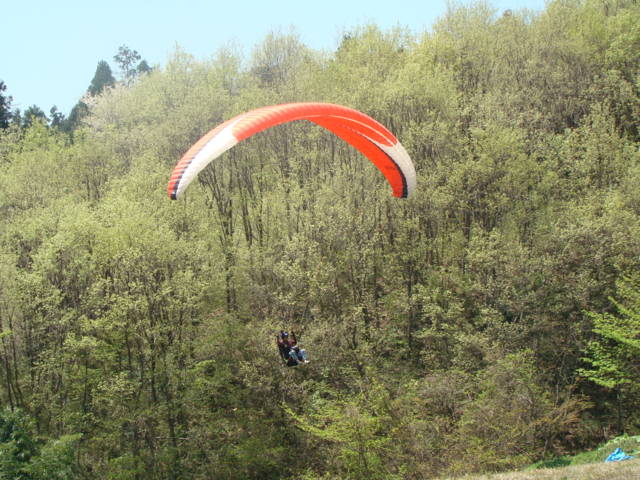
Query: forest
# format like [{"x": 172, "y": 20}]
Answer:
[{"x": 489, "y": 321}]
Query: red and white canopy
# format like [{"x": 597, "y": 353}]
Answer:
[{"x": 371, "y": 138}]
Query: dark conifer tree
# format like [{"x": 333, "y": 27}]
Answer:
[
  {"x": 57, "y": 117},
  {"x": 143, "y": 67},
  {"x": 5, "y": 106},
  {"x": 78, "y": 112},
  {"x": 102, "y": 79},
  {"x": 32, "y": 114}
]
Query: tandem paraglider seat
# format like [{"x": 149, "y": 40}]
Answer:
[{"x": 289, "y": 350}]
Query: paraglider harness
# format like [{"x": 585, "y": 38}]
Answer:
[{"x": 288, "y": 348}]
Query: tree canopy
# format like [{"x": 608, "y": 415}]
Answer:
[{"x": 477, "y": 326}]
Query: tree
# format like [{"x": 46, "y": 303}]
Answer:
[
  {"x": 57, "y": 117},
  {"x": 613, "y": 353},
  {"x": 17, "y": 445},
  {"x": 143, "y": 67},
  {"x": 24, "y": 458},
  {"x": 5, "y": 106},
  {"x": 446, "y": 331},
  {"x": 357, "y": 428},
  {"x": 32, "y": 114},
  {"x": 127, "y": 60},
  {"x": 16, "y": 117},
  {"x": 78, "y": 112},
  {"x": 513, "y": 419},
  {"x": 131, "y": 64},
  {"x": 277, "y": 58},
  {"x": 102, "y": 79}
]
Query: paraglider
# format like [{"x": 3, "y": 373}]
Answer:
[
  {"x": 359, "y": 130},
  {"x": 364, "y": 133}
]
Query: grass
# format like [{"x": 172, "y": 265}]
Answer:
[
  {"x": 584, "y": 466},
  {"x": 625, "y": 470},
  {"x": 630, "y": 445}
]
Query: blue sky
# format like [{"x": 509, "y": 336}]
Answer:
[{"x": 50, "y": 49}]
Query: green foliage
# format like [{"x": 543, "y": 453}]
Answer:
[
  {"x": 56, "y": 460},
  {"x": 629, "y": 445},
  {"x": 103, "y": 78},
  {"x": 32, "y": 115},
  {"x": 612, "y": 354},
  {"x": 130, "y": 63},
  {"x": 513, "y": 419},
  {"x": 358, "y": 425},
  {"x": 17, "y": 446},
  {"x": 5, "y": 106},
  {"x": 446, "y": 332},
  {"x": 23, "y": 458}
]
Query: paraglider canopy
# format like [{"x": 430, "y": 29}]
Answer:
[{"x": 371, "y": 138}]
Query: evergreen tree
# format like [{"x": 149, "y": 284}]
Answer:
[
  {"x": 16, "y": 117},
  {"x": 57, "y": 117},
  {"x": 102, "y": 79},
  {"x": 143, "y": 67},
  {"x": 78, "y": 112},
  {"x": 32, "y": 114},
  {"x": 5, "y": 106}
]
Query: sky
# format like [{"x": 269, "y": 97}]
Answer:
[{"x": 50, "y": 48}]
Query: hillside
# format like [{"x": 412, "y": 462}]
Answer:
[{"x": 487, "y": 322}]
